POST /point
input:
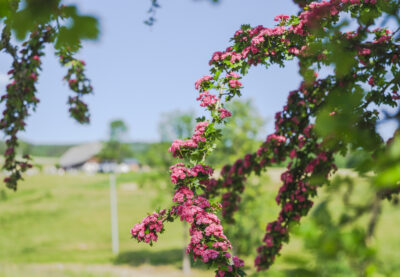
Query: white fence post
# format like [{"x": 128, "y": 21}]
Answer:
[{"x": 114, "y": 214}]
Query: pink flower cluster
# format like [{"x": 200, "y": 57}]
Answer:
[
  {"x": 257, "y": 36},
  {"x": 220, "y": 56},
  {"x": 232, "y": 75},
  {"x": 259, "y": 33},
  {"x": 294, "y": 51},
  {"x": 207, "y": 99},
  {"x": 224, "y": 113},
  {"x": 321, "y": 10},
  {"x": 201, "y": 80},
  {"x": 364, "y": 51},
  {"x": 298, "y": 195},
  {"x": 277, "y": 138},
  {"x": 395, "y": 95},
  {"x": 197, "y": 137},
  {"x": 199, "y": 131},
  {"x": 180, "y": 172},
  {"x": 206, "y": 227},
  {"x": 295, "y": 192},
  {"x": 281, "y": 17},
  {"x": 149, "y": 227},
  {"x": 233, "y": 80},
  {"x": 383, "y": 38},
  {"x": 320, "y": 158}
]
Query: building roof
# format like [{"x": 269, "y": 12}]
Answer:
[{"x": 78, "y": 155}]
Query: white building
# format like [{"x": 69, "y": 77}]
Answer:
[{"x": 82, "y": 157}]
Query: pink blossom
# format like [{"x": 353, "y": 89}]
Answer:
[
  {"x": 206, "y": 218},
  {"x": 207, "y": 99},
  {"x": 238, "y": 32},
  {"x": 216, "y": 57},
  {"x": 232, "y": 75},
  {"x": 234, "y": 83},
  {"x": 364, "y": 51},
  {"x": 383, "y": 39},
  {"x": 209, "y": 254},
  {"x": 245, "y": 52},
  {"x": 222, "y": 245},
  {"x": 147, "y": 230},
  {"x": 224, "y": 113},
  {"x": 220, "y": 273},
  {"x": 281, "y": 17},
  {"x": 190, "y": 143},
  {"x": 294, "y": 50},
  {"x": 308, "y": 129},
  {"x": 33, "y": 76},
  {"x": 180, "y": 172},
  {"x": 371, "y": 81},
  {"x": 202, "y": 202},
  {"x": 269, "y": 241},
  {"x": 257, "y": 40},
  {"x": 199, "y": 131},
  {"x": 213, "y": 229},
  {"x": 196, "y": 236},
  {"x": 310, "y": 167},
  {"x": 237, "y": 262},
  {"x": 187, "y": 211},
  {"x": 206, "y": 170},
  {"x": 235, "y": 57},
  {"x": 288, "y": 207},
  {"x": 183, "y": 194},
  {"x": 277, "y": 138},
  {"x": 201, "y": 80}
]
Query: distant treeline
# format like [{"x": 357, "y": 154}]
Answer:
[
  {"x": 39, "y": 150},
  {"x": 155, "y": 155},
  {"x": 56, "y": 150}
]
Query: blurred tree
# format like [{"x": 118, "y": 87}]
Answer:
[
  {"x": 172, "y": 125},
  {"x": 118, "y": 130},
  {"x": 115, "y": 149},
  {"x": 176, "y": 125},
  {"x": 240, "y": 135},
  {"x": 249, "y": 219},
  {"x": 339, "y": 234},
  {"x": 25, "y": 148},
  {"x": 156, "y": 156}
]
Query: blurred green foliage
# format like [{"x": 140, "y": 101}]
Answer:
[
  {"x": 176, "y": 125},
  {"x": 24, "y": 16},
  {"x": 240, "y": 135},
  {"x": 116, "y": 149}
]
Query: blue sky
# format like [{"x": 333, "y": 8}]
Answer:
[{"x": 139, "y": 72}]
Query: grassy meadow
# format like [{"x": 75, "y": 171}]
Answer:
[{"x": 60, "y": 226}]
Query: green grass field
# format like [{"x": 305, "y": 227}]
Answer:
[
  {"x": 60, "y": 226},
  {"x": 66, "y": 219}
]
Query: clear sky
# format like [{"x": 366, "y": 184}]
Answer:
[{"x": 139, "y": 72}]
